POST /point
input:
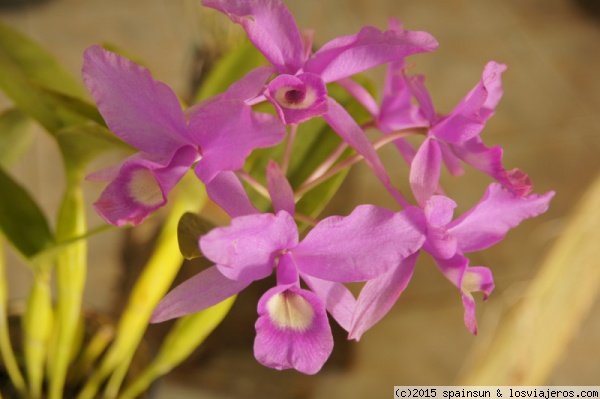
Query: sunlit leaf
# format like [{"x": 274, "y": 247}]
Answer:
[
  {"x": 21, "y": 219},
  {"x": 16, "y": 136},
  {"x": 189, "y": 230}
]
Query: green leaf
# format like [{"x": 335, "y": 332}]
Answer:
[
  {"x": 16, "y": 136},
  {"x": 189, "y": 230},
  {"x": 21, "y": 219},
  {"x": 76, "y": 105},
  {"x": 24, "y": 68},
  {"x": 231, "y": 67},
  {"x": 80, "y": 144}
]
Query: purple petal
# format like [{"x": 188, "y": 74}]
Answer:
[
  {"x": 297, "y": 98},
  {"x": 425, "y": 170},
  {"x": 271, "y": 28},
  {"x": 338, "y": 299},
  {"x": 227, "y": 132},
  {"x": 451, "y": 160},
  {"x": 226, "y": 190},
  {"x": 379, "y": 295},
  {"x": 416, "y": 85},
  {"x": 468, "y": 118},
  {"x": 280, "y": 190},
  {"x": 362, "y": 245},
  {"x": 141, "y": 187},
  {"x": 397, "y": 110},
  {"x": 349, "y": 55},
  {"x": 467, "y": 280},
  {"x": 496, "y": 213},
  {"x": 361, "y": 95},
  {"x": 439, "y": 211},
  {"x": 475, "y": 279},
  {"x": 292, "y": 330},
  {"x": 347, "y": 128},
  {"x": 489, "y": 161},
  {"x": 143, "y": 112},
  {"x": 287, "y": 270},
  {"x": 200, "y": 292},
  {"x": 248, "y": 248},
  {"x": 250, "y": 86}
]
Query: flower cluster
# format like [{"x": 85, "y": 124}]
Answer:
[{"x": 374, "y": 245}]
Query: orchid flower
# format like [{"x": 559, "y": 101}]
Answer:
[
  {"x": 447, "y": 241},
  {"x": 146, "y": 114},
  {"x": 292, "y": 328},
  {"x": 299, "y": 91},
  {"x": 454, "y": 136}
]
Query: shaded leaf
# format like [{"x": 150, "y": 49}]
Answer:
[
  {"x": 80, "y": 144},
  {"x": 21, "y": 219},
  {"x": 230, "y": 68},
  {"x": 16, "y": 136},
  {"x": 189, "y": 230},
  {"x": 25, "y": 67}
]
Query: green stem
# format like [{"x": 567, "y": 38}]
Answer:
[
  {"x": 152, "y": 285},
  {"x": 71, "y": 274},
  {"x": 37, "y": 326},
  {"x": 8, "y": 355},
  {"x": 289, "y": 145}
]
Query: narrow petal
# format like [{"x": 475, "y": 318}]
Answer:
[
  {"x": 379, "y": 295},
  {"x": 496, "y": 213},
  {"x": 338, "y": 299},
  {"x": 271, "y": 28},
  {"x": 280, "y": 190},
  {"x": 468, "y": 118},
  {"x": 297, "y": 98},
  {"x": 292, "y": 330},
  {"x": 143, "y": 112},
  {"x": 141, "y": 187},
  {"x": 250, "y": 86},
  {"x": 349, "y": 55},
  {"x": 362, "y": 245},
  {"x": 226, "y": 190},
  {"x": 361, "y": 95},
  {"x": 416, "y": 85},
  {"x": 227, "y": 132},
  {"x": 475, "y": 279},
  {"x": 347, "y": 128},
  {"x": 467, "y": 280},
  {"x": 248, "y": 248},
  {"x": 425, "y": 170},
  {"x": 200, "y": 292},
  {"x": 489, "y": 161}
]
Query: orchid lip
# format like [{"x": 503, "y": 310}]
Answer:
[
  {"x": 144, "y": 188},
  {"x": 290, "y": 311}
]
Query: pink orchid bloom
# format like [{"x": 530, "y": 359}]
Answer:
[
  {"x": 299, "y": 91},
  {"x": 292, "y": 330},
  {"x": 447, "y": 241},
  {"x": 216, "y": 135}
]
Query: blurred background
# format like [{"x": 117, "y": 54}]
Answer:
[{"x": 548, "y": 123}]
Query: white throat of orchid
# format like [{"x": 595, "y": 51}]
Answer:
[
  {"x": 471, "y": 282},
  {"x": 144, "y": 188},
  {"x": 289, "y": 97},
  {"x": 289, "y": 310}
]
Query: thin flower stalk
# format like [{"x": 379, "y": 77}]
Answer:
[
  {"x": 289, "y": 146},
  {"x": 348, "y": 162}
]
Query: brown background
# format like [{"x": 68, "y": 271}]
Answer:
[{"x": 548, "y": 123}]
